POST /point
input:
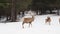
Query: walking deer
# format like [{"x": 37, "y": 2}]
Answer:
[
  {"x": 28, "y": 21},
  {"x": 48, "y": 20}
]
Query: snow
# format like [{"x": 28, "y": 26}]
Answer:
[
  {"x": 38, "y": 26},
  {"x": 29, "y": 13},
  {"x": 3, "y": 19}
]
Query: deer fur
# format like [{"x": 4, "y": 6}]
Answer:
[
  {"x": 28, "y": 21},
  {"x": 48, "y": 20}
]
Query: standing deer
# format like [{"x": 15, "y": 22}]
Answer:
[
  {"x": 28, "y": 21},
  {"x": 48, "y": 20}
]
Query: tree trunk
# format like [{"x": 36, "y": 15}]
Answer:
[
  {"x": 7, "y": 18},
  {"x": 13, "y": 11}
]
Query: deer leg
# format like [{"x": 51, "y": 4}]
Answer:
[
  {"x": 45, "y": 21},
  {"x": 23, "y": 25},
  {"x": 59, "y": 21},
  {"x": 30, "y": 24},
  {"x": 49, "y": 23}
]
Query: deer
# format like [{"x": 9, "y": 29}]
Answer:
[
  {"x": 48, "y": 20},
  {"x": 28, "y": 21}
]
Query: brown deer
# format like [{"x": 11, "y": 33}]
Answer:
[
  {"x": 48, "y": 20},
  {"x": 28, "y": 21}
]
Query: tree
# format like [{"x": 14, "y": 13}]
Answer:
[
  {"x": 13, "y": 11},
  {"x": 44, "y": 4},
  {"x": 23, "y": 5}
]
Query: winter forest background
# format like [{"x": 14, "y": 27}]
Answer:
[{"x": 11, "y": 8}]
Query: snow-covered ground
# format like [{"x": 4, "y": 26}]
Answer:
[{"x": 38, "y": 26}]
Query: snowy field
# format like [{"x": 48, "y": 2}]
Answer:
[{"x": 38, "y": 26}]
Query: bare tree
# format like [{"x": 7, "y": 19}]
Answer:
[{"x": 13, "y": 11}]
